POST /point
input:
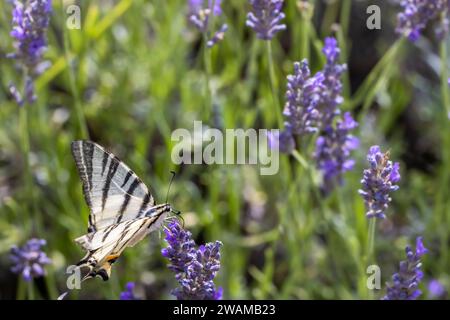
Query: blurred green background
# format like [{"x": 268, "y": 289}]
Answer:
[{"x": 135, "y": 72}]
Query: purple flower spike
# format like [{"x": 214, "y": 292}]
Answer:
[
  {"x": 195, "y": 268},
  {"x": 30, "y": 22},
  {"x": 128, "y": 294},
  {"x": 312, "y": 102},
  {"x": 29, "y": 260},
  {"x": 333, "y": 150},
  {"x": 265, "y": 18},
  {"x": 418, "y": 13},
  {"x": 405, "y": 283},
  {"x": 312, "y": 106},
  {"x": 378, "y": 181},
  {"x": 331, "y": 96},
  {"x": 303, "y": 96}
]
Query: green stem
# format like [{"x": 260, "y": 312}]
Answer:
[
  {"x": 208, "y": 67},
  {"x": 30, "y": 290},
  {"x": 373, "y": 77},
  {"x": 300, "y": 159},
  {"x": 20, "y": 294},
  {"x": 346, "y": 10},
  {"x": 371, "y": 249},
  {"x": 305, "y": 9},
  {"x": 315, "y": 191},
  {"x": 83, "y": 131},
  {"x": 273, "y": 84},
  {"x": 442, "y": 196},
  {"x": 28, "y": 178}
]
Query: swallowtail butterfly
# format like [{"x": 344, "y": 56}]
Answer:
[{"x": 122, "y": 210}]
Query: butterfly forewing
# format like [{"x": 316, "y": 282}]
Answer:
[{"x": 113, "y": 192}]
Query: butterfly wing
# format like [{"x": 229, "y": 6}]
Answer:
[
  {"x": 104, "y": 246},
  {"x": 113, "y": 192}
]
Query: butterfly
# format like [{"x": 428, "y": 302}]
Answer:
[{"x": 122, "y": 210}]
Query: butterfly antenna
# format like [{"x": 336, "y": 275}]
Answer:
[{"x": 170, "y": 184}]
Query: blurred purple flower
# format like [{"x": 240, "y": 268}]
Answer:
[
  {"x": 30, "y": 20},
  {"x": 333, "y": 150},
  {"x": 128, "y": 294},
  {"x": 29, "y": 260},
  {"x": 418, "y": 13},
  {"x": 405, "y": 283},
  {"x": 265, "y": 17},
  {"x": 378, "y": 181},
  {"x": 312, "y": 102},
  {"x": 194, "y": 268},
  {"x": 199, "y": 16},
  {"x": 436, "y": 289},
  {"x": 196, "y": 5},
  {"x": 218, "y": 36},
  {"x": 331, "y": 96},
  {"x": 283, "y": 141}
]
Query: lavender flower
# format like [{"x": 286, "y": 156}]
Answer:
[
  {"x": 199, "y": 16},
  {"x": 331, "y": 96},
  {"x": 405, "y": 283},
  {"x": 312, "y": 102},
  {"x": 333, "y": 149},
  {"x": 265, "y": 18},
  {"x": 29, "y": 260},
  {"x": 312, "y": 105},
  {"x": 303, "y": 95},
  {"x": 378, "y": 181},
  {"x": 436, "y": 289},
  {"x": 181, "y": 249},
  {"x": 418, "y": 13},
  {"x": 30, "y": 21},
  {"x": 128, "y": 294},
  {"x": 194, "y": 268}
]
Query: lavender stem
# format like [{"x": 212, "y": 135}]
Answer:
[
  {"x": 273, "y": 84},
  {"x": 371, "y": 250}
]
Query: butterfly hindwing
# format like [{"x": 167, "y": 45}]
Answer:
[
  {"x": 113, "y": 192},
  {"x": 104, "y": 246}
]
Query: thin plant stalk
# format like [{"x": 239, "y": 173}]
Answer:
[
  {"x": 374, "y": 76},
  {"x": 30, "y": 290},
  {"x": 273, "y": 84},
  {"x": 28, "y": 178},
  {"x": 21, "y": 289},
  {"x": 345, "y": 14},
  {"x": 304, "y": 26},
  {"x": 371, "y": 249},
  {"x": 442, "y": 196},
  {"x": 207, "y": 64}
]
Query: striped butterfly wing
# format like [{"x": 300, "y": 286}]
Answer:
[
  {"x": 113, "y": 192},
  {"x": 114, "y": 239},
  {"x": 105, "y": 245}
]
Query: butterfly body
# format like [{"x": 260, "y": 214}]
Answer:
[{"x": 122, "y": 211}]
